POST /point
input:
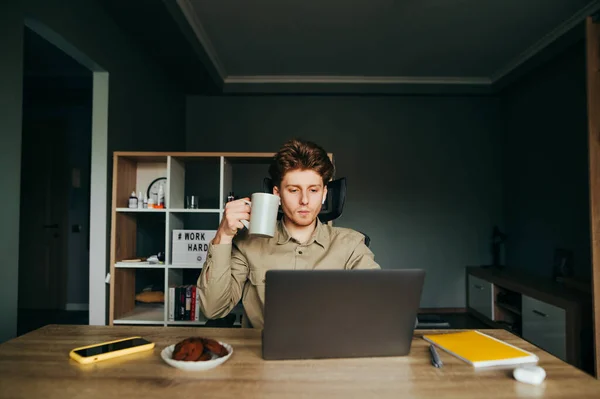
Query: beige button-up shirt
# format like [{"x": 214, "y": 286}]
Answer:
[{"x": 237, "y": 271}]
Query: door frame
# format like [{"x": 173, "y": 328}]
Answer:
[
  {"x": 593, "y": 105},
  {"x": 98, "y": 172}
]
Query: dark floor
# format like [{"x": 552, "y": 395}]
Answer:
[{"x": 29, "y": 320}]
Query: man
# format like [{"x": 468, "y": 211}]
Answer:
[{"x": 236, "y": 263}]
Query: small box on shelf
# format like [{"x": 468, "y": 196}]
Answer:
[
  {"x": 190, "y": 247},
  {"x": 189, "y": 235}
]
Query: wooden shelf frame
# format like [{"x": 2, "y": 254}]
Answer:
[
  {"x": 593, "y": 103},
  {"x": 133, "y": 171}
]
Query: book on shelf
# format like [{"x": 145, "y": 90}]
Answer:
[{"x": 184, "y": 303}]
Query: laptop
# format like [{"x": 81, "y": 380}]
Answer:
[{"x": 311, "y": 314}]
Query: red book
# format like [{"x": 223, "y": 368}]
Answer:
[{"x": 193, "y": 307}]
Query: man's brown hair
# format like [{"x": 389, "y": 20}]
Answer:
[{"x": 297, "y": 154}]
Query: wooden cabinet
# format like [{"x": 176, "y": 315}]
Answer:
[
  {"x": 545, "y": 325},
  {"x": 540, "y": 311},
  {"x": 480, "y": 296}
]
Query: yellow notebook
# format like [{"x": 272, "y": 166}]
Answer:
[{"x": 480, "y": 350}]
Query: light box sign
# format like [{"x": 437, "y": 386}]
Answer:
[{"x": 191, "y": 246}]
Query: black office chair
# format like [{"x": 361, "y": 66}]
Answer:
[{"x": 334, "y": 202}]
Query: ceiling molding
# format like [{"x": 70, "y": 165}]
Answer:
[
  {"x": 382, "y": 80},
  {"x": 355, "y": 85},
  {"x": 381, "y": 85},
  {"x": 187, "y": 8},
  {"x": 546, "y": 41}
]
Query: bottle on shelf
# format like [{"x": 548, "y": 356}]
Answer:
[
  {"x": 133, "y": 200},
  {"x": 140, "y": 202},
  {"x": 161, "y": 197}
]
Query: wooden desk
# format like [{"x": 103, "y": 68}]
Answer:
[{"x": 37, "y": 365}]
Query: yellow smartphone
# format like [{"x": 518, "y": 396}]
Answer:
[{"x": 111, "y": 349}]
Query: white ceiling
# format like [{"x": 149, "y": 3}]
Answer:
[{"x": 397, "y": 42}]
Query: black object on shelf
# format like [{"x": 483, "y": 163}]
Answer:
[
  {"x": 498, "y": 239},
  {"x": 563, "y": 264}
]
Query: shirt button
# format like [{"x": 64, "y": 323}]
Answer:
[
  {"x": 264, "y": 281},
  {"x": 299, "y": 252}
]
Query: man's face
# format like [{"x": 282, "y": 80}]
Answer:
[{"x": 301, "y": 193}]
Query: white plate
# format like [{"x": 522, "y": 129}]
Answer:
[{"x": 167, "y": 356}]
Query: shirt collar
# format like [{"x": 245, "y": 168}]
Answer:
[{"x": 320, "y": 235}]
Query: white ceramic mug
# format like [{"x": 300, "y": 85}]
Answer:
[{"x": 263, "y": 214}]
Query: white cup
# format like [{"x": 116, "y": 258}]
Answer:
[{"x": 263, "y": 214}]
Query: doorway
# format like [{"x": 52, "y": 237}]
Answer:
[{"x": 55, "y": 187}]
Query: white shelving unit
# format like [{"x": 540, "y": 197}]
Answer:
[
  {"x": 134, "y": 171},
  {"x": 195, "y": 211},
  {"x": 138, "y": 265},
  {"x": 144, "y": 314},
  {"x": 138, "y": 210}
]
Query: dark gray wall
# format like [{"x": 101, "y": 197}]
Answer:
[
  {"x": 546, "y": 165},
  {"x": 423, "y": 172},
  {"x": 11, "y": 38},
  {"x": 146, "y": 112}
]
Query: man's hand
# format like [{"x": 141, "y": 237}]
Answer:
[{"x": 235, "y": 212}]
